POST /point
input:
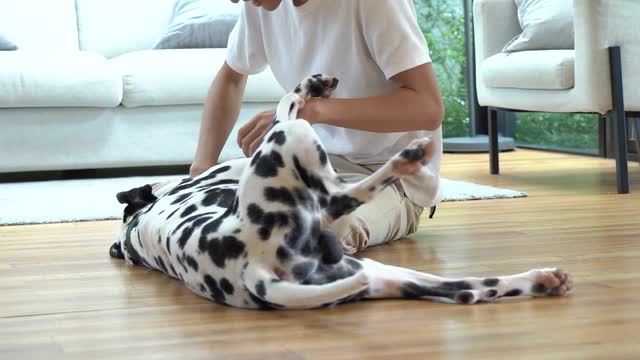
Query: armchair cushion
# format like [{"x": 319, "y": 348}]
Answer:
[
  {"x": 539, "y": 70},
  {"x": 546, "y": 24}
]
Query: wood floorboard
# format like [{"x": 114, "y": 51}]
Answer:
[{"x": 62, "y": 297}]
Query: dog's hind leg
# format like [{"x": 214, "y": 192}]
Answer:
[
  {"x": 284, "y": 294},
  {"x": 349, "y": 196},
  {"x": 387, "y": 281}
]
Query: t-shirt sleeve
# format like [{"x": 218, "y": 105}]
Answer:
[
  {"x": 245, "y": 47},
  {"x": 392, "y": 34}
]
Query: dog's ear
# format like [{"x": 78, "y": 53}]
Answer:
[
  {"x": 136, "y": 199},
  {"x": 143, "y": 194}
]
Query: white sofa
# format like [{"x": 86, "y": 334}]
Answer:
[{"x": 85, "y": 91}]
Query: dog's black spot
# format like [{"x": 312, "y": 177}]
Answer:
[
  {"x": 322, "y": 155},
  {"x": 255, "y": 213},
  {"x": 234, "y": 206},
  {"x": 415, "y": 154},
  {"x": 293, "y": 238},
  {"x": 304, "y": 197},
  {"x": 447, "y": 289},
  {"x": 464, "y": 297},
  {"x": 330, "y": 247},
  {"x": 214, "y": 289},
  {"x": 213, "y": 225},
  {"x": 220, "y": 250},
  {"x": 226, "y": 286},
  {"x": 316, "y": 89},
  {"x": 291, "y": 107},
  {"x": 323, "y": 201},
  {"x": 492, "y": 293},
  {"x": 221, "y": 197},
  {"x": 513, "y": 292},
  {"x": 184, "y": 267},
  {"x": 309, "y": 179},
  {"x": 217, "y": 172},
  {"x": 202, "y": 288},
  {"x": 278, "y": 137},
  {"x": 456, "y": 285},
  {"x": 261, "y": 290},
  {"x": 490, "y": 282},
  {"x": 161, "y": 265},
  {"x": 184, "y": 238},
  {"x": 268, "y": 164},
  {"x": 302, "y": 270},
  {"x": 173, "y": 213},
  {"x": 173, "y": 270},
  {"x": 297, "y": 90},
  {"x": 262, "y": 304},
  {"x": 340, "y": 205},
  {"x": 180, "y": 198},
  {"x": 134, "y": 256},
  {"x": 189, "y": 210},
  {"x": 191, "y": 262},
  {"x": 264, "y": 233},
  {"x": 283, "y": 254},
  {"x": 538, "y": 288},
  {"x": 281, "y": 195}
]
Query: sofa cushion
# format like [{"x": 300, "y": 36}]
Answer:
[
  {"x": 546, "y": 25},
  {"x": 182, "y": 76},
  {"x": 200, "y": 24},
  {"x": 34, "y": 79},
  {"x": 116, "y": 27},
  {"x": 40, "y": 24},
  {"x": 540, "y": 69}
]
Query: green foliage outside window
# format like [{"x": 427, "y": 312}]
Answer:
[{"x": 442, "y": 22}]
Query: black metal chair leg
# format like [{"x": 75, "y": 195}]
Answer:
[
  {"x": 493, "y": 142},
  {"x": 637, "y": 138},
  {"x": 619, "y": 118}
]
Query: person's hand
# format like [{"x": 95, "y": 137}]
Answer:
[{"x": 251, "y": 134}]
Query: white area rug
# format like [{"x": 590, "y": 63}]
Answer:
[{"x": 95, "y": 199}]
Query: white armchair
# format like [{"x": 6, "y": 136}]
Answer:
[{"x": 602, "y": 74}]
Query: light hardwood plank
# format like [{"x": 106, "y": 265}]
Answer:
[{"x": 61, "y": 296}]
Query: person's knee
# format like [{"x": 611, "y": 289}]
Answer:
[{"x": 352, "y": 233}]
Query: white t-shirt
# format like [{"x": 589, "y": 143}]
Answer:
[{"x": 361, "y": 42}]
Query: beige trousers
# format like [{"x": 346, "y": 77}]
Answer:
[{"x": 389, "y": 216}]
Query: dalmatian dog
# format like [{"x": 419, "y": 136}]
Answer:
[{"x": 255, "y": 233}]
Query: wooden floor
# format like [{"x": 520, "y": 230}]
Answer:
[{"x": 61, "y": 296}]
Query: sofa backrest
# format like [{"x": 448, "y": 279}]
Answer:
[
  {"x": 48, "y": 25},
  {"x": 115, "y": 27}
]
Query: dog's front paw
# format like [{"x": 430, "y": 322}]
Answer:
[
  {"x": 409, "y": 161},
  {"x": 318, "y": 85}
]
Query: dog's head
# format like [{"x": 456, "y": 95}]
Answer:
[{"x": 136, "y": 199}]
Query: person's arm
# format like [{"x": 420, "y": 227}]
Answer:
[
  {"x": 416, "y": 105},
  {"x": 221, "y": 110}
]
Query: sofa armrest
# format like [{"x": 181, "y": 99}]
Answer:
[
  {"x": 600, "y": 24},
  {"x": 495, "y": 24}
]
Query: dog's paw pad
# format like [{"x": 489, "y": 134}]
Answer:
[{"x": 552, "y": 282}]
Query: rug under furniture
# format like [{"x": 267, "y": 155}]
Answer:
[{"x": 56, "y": 201}]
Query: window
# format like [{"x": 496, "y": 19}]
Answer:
[{"x": 442, "y": 23}]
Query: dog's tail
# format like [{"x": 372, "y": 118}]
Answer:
[{"x": 289, "y": 295}]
